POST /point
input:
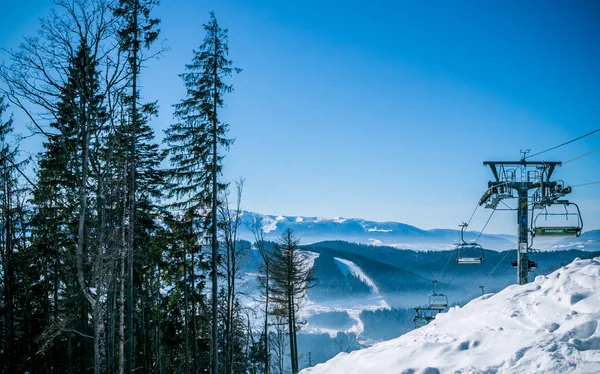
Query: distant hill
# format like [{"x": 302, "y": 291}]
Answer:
[
  {"x": 399, "y": 235},
  {"x": 408, "y": 271},
  {"x": 588, "y": 241}
]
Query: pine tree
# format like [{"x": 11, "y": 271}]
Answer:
[
  {"x": 139, "y": 28},
  {"x": 195, "y": 144},
  {"x": 291, "y": 276},
  {"x": 8, "y": 347}
]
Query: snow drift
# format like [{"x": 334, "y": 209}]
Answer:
[{"x": 548, "y": 326}]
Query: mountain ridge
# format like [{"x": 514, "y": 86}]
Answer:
[{"x": 395, "y": 234}]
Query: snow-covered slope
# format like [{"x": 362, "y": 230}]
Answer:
[
  {"x": 348, "y": 266},
  {"x": 351, "y": 305},
  {"x": 548, "y": 326}
]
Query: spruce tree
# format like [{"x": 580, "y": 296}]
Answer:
[
  {"x": 138, "y": 30},
  {"x": 291, "y": 276},
  {"x": 196, "y": 142}
]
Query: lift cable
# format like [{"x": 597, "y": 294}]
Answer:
[
  {"x": 499, "y": 262},
  {"x": 560, "y": 145},
  {"x": 483, "y": 229},
  {"x": 473, "y": 214},
  {"x": 448, "y": 284},
  {"x": 581, "y": 156},
  {"x": 447, "y": 262},
  {"x": 585, "y": 184}
]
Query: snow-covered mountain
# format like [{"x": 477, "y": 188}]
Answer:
[
  {"x": 315, "y": 229},
  {"x": 588, "y": 241},
  {"x": 548, "y": 326}
]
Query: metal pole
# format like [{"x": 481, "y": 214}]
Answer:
[{"x": 523, "y": 243}]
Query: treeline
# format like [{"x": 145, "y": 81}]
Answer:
[{"x": 110, "y": 261}]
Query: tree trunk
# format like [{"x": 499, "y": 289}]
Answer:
[
  {"x": 228, "y": 304},
  {"x": 214, "y": 243},
  {"x": 122, "y": 283},
  {"x": 267, "y": 349},
  {"x": 185, "y": 313},
  {"x": 8, "y": 272},
  {"x": 157, "y": 338},
  {"x": 194, "y": 327},
  {"x": 294, "y": 345},
  {"x": 132, "y": 165}
]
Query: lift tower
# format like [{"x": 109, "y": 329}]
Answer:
[{"x": 514, "y": 179}]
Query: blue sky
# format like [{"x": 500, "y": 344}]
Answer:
[{"x": 386, "y": 110}]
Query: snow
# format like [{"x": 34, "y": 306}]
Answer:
[
  {"x": 299, "y": 219},
  {"x": 375, "y": 229},
  {"x": 352, "y": 268},
  {"x": 547, "y": 326},
  {"x": 269, "y": 224}
]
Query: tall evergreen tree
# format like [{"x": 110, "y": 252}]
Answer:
[
  {"x": 195, "y": 144},
  {"x": 8, "y": 351},
  {"x": 291, "y": 276},
  {"x": 139, "y": 30}
]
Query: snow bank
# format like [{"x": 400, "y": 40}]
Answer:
[{"x": 548, "y": 326}]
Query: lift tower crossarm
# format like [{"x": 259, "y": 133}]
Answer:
[{"x": 551, "y": 165}]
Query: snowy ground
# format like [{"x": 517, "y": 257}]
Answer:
[{"x": 548, "y": 326}]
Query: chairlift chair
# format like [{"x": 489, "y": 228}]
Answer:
[
  {"x": 419, "y": 319},
  {"x": 437, "y": 301},
  {"x": 424, "y": 316},
  {"x": 468, "y": 253},
  {"x": 567, "y": 230}
]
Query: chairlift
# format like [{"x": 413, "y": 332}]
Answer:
[
  {"x": 419, "y": 319},
  {"x": 556, "y": 230},
  {"x": 437, "y": 301},
  {"x": 424, "y": 316},
  {"x": 468, "y": 253}
]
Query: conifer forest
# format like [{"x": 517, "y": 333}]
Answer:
[{"x": 119, "y": 247}]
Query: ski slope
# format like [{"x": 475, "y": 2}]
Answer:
[
  {"x": 352, "y": 305},
  {"x": 548, "y": 326},
  {"x": 348, "y": 266}
]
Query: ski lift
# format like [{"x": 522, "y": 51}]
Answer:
[
  {"x": 556, "y": 230},
  {"x": 419, "y": 319},
  {"x": 424, "y": 316},
  {"x": 437, "y": 301},
  {"x": 468, "y": 253}
]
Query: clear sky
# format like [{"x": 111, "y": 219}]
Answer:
[{"x": 385, "y": 110}]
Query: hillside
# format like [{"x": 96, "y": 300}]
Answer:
[{"x": 547, "y": 326}]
